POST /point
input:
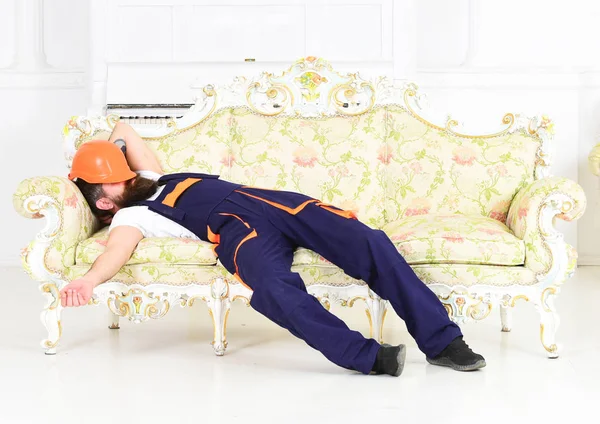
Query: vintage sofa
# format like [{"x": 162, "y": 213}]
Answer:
[{"x": 473, "y": 214}]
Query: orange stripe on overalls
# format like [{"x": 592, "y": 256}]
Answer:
[
  {"x": 340, "y": 212},
  {"x": 279, "y": 205},
  {"x": 213, "y": 238},
  {"x": 250, "y": 236},
  {"x": 330, "y": 208},
  {"x": 217, "y": 239},
  {"x": 171, "y": 198}
]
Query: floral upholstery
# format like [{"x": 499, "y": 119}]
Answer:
[
  {"x": 76, "y": 220},
  {"x": 85, "y": 136},
  {"x": 447, "y": 274},
  {"x": 432, "y": 171},
  {"x": 470, "y": 275},
  {"x": 325, "y": 275},
  {"x": 420, "y": 239},
  {"x": 337, "y": 160},
  {"x": 171, "y": 274},
  {"x": 437, "y": 239},
  {"x": 443, "y": 199},
  {"x": 524, "y": 216},
  {"x": 204, "y": 147},
  {"x": 151, "y": 250},
  {"x": 455, "y": 239}
]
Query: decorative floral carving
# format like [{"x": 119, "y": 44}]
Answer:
[
  {"x": 310, "y": 82},
  {"x": 138, "y": 305}
]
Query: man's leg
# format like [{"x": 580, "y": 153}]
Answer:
[
  {"x": 369, "y": 255},
  {"x": 261, "y": 258}
]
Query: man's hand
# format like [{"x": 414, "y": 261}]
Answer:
[
  {"x": 119, "y": 248},
  {"x": 77, "y": 293}
]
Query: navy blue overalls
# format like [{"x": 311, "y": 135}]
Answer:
[{"x": 256, "y": 232}]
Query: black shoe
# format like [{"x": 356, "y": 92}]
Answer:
[
  {"x": 390, "y": 360},
  {"x": 458, "y": 356}
]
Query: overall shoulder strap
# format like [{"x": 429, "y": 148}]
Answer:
[{"x": 183, "y": 176}]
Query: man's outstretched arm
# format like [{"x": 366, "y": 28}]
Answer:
[
  {"x": 121, "y": 244},
  {"x": 139, "y": 156}
]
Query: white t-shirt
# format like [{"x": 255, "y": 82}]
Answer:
[{"x": 148, "y": 222}]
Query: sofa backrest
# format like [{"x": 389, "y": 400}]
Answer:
[
  {"x": 337, "y": 160},
  {"x": 201, "y": 147},
  {"x": 383, "y": 165},
  {"x": 432, "y": 170},
  {"x": 357, "y": 144},
  {"x": 204, "y": 147}
]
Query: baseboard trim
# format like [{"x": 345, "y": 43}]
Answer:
[{"x": 589, "y": 260}]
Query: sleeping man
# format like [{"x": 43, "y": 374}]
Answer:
[{"x": 255, "y": 232}]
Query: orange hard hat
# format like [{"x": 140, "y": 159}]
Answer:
[{"x": 100, "y": 161}]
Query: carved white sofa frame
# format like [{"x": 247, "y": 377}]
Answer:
[{"x": 271, "y": 95}]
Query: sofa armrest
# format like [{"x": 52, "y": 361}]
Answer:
[
  {"x": 531, "y": 218},
  {"x": 594, "y": 160},
  {"x": 69, "y": 220}
]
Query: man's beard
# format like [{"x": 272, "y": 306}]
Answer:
[{"x": 136, "y": 190}]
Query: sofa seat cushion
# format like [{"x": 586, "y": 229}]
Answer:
[
  {"x": 445, "y": 239},
  {"x": 160, "y": 273},
  {"x": 455, "y": 239},
  {"x": 424, "y": 239},
  {"x": 151, "y": 250},
  {"x": 452, "y": 275}
]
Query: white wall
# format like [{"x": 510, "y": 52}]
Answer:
[
  {"x": 589, "y": 136},
  {"x": 480, "y": 59},
  {"x": 476, "y": 59},
  {"x": 42, "y": 83}
]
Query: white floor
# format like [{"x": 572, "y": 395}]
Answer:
[{"x": 164, "y": 371}]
